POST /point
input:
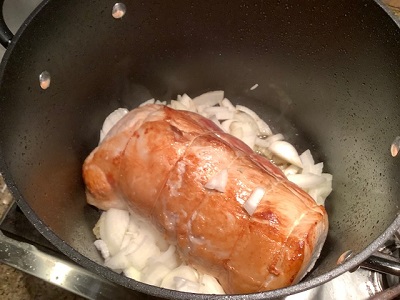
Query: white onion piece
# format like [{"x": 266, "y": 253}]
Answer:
[
  {"x": 228, "y": 104},
  {"x": 184, "y": 272},
  {"x": 316, "y": 169},
  {"x": 209, "y": 98},
  {"x": 133, "y": 273},
  {"x": 307, "y": 160},
  {"x": 225, "y": 125},
  {"x": 221, "y": 113},
  {"x": 251, "y": 204},
  {"x": 218, "y": 182},
  {"x": 210, "y": 285},
  {"x": 111, "y": 120},
  {"x": 254, "y": 87},
  {"x": 236, "y": 129},
  {"x": 291, "y": 170},
  {"x": 150, "y": 101},
  {"x": 160, "y": 102},
  {"x": 177, "y": 105},
  {"x": 286, "y": 151},
  {"x": 246, "y": 119},
  {"x": 103, "y": 248},
  {"x": 155, "y": 273},
  {"x": 114, "y": 227},
  {"x": 184, "y": 285},
  {"x": 117, "y": 262},
  {"x": 188, "y": 102},
  {"x": 266, "y": 143},
  {"x": 262, "y": 126},
  {"x": 146, "y": 249},
  {"x": 168, "y": 258},
  {"x": 306, "y": 181}
]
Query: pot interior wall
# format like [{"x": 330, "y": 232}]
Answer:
[{"x": 328, "y": 75}]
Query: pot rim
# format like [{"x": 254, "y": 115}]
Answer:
[{"x": 161, "y": 292}]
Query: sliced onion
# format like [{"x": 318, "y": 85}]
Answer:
[
  {"x": 154, "y": 273},
  {"x": 266, "y": 143},
  {"x": 228, "y": 104},
  {"x": 188, "y": 102},
  {"x": 306, "y": 181},
  {"x": 209, "y": 98},
  {"x": 133, "y": 273},
  {"x": 146, "y": 249},
  {"x": 184, "y": 272},
  {"x": 262, "y": 126},
  {"x": 225, "y": 125},
  {"x": 291, "y": 170},
  {"x": 150, "y": 101},
  {"x": 111, "y": 120},
  {"x": 103, "y": 248},
  {"x": 255, "y": 198},
  {"x": 236, "y": 129},
  {"x": 307, "y": 160},
  {"x": 286, "y": 151},
  {"x": 246, "y": 119},
  {"x": 114, "y": 227},
  {"x": 317, "y": 168},
  {"x": 178, "y": 105},
  {"x": 117, "y": 262},
  {"x": 254, "y": 87},
  {"x": 221, "y": 113},
  {"x": 168, "y": 258},
  {"x": 210, "y": 285}
]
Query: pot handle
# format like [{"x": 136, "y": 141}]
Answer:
[{"x": 5, "y": 33}]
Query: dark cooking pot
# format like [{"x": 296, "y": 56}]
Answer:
[{"x": 328, "y": 75}]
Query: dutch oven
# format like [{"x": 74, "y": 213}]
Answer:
[{"x": 328, "y": 75}]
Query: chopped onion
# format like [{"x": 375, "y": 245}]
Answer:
[
  {"x": 209, "y": 285},
  {"x": 307, "y": 180},
  {"x": 185, "y": 272},
  {"x": 266, "y": 143},
  {"x": 133, "y": 273},
  {"x": 262, "y": 126},
  {"x": 251, "y": 204},
  {"x": 155, "y": 273},
  {"x": 221, "y": 113},
  {"x": 150, "y": 101},
  {"x": 178, "y": 105},
  {"x": 117, "y": 262},
  {"x": 218, "y": 182},
  {"x": 147, "y": 248},
  {"x": 111, "y": 120},
  {"x": 254, "y": 87},
  {"x": 209, "y": 98},
  {"x": 286, "y": 151},
  {"x": 291, "y": 170},
  {"x": 114, "y": 227},
  {"x": 102, "y": 247},
  {"x": 307, "y": 160},
  {"x": 168, "y": 258},
  {"x": 188, "y": 102},
  {"x": 228, "y": 104},
  {"x": 316, "y": 169}
]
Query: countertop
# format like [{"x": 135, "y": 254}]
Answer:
[{"x": 13, "y": 283}]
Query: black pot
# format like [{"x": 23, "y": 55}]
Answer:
[{"x": 328, "y": 75}]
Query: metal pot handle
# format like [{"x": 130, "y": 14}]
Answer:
[{"x": 5, "y": 33}]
